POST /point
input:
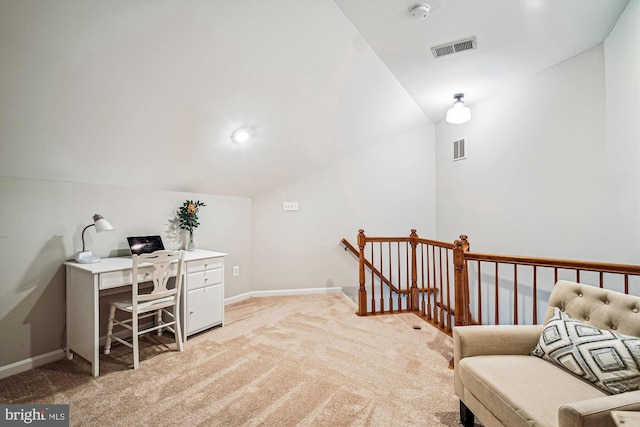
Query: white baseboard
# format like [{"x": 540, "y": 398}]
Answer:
[
  {"x": 349, "y": 300},
  {"x": 43, "y": 359},
  {"x": 282, "y": 292},
  {"x": 30, "y": 363}
]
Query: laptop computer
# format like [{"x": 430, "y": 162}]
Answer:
[{"x": 145, "y": 244}]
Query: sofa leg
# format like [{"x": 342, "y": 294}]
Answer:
[{"x": 466, "y": 416}]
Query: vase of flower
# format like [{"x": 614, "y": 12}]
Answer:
[
  {"x": 188, "y": 220},
  {"x": 191, "y": 246}
]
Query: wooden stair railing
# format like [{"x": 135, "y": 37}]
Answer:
[
  {"x": 412, "y": 274},
  {"x": 518, "y": 274},
  {"x": 348, "y": 246},
  {"x": 406, "y": 274}
]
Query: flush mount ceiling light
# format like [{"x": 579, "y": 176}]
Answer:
[
  {"x": 241, "y": 135},
  {"x": 458, "y": 114},
  {"x": 420, "y": 11}
]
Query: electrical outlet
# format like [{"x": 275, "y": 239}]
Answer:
[
  {"x": 289, "y": 206},
  {"x": 236, "y": 270}
]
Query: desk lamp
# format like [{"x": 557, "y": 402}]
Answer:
[{"x": 101, "y": 224}]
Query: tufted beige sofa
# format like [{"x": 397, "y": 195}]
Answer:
[{"x": 500, "y": 383}]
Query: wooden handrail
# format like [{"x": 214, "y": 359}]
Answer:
[
  {"x": 445, "y": 245},
  {"x": 386, "y": 239},
  {"x": 349, "y": 246},
  {"x": 386, "y": 281},
  {"x": 552, "y": 263}
]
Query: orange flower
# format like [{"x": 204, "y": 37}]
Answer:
[{"x": 191, "y": 208}]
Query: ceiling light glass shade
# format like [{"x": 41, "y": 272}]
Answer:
[
  {"x": 240, "y": 136},
  {"x": 458, "y": 114}
]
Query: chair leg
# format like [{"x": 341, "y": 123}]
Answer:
[
  {"x": 177, "y": 328},
  {"x": 134, "y": 337},
  {"x": 107, "y": 344},
  {"x": 467, "y": 419},
  {"x": 159, "y": 320}
]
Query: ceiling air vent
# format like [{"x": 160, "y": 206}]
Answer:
[
  {"x": 458, "y": 150},
  {"x": 454, "y": 47}
]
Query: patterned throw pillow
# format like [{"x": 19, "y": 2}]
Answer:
[{"x": 608, "y": 360}]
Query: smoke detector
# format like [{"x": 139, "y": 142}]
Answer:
[{"x": 420, "y": 11}]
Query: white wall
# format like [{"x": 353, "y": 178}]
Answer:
[
  {"x": 535, "y": 178},
  {"x": 622, "y": 149},
  {"x": 385, "y": 190},
  {"x": 553, "y": 165},
  {"x": 40, "y": 227}
]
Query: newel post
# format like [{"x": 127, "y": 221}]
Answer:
[
  {"x": 414, "y": 303},
  {"x": 461, "y": 282},
  {"x": 362, "y": 292}
]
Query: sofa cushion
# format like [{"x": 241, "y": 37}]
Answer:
[
  {"x": 608, "y": 360},
  {"x": 521, "y": 390}
]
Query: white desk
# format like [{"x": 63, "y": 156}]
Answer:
[{"x": 204, "y": 275}]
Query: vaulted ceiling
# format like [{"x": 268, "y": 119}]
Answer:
[
  {"x": 146, "y": 93},
  {"x": 515, "y": 40}
]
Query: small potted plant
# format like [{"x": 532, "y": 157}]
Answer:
[{"x": 188, "y": 219}]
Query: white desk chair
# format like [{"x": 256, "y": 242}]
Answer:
[{"x": 146, "y": 305}]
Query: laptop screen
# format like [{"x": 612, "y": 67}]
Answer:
[{"x": 145, "y": 244}]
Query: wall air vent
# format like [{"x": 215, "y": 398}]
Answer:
[
  {"x": 458, "y": 150},
  {"x": 454, "y": 47}
]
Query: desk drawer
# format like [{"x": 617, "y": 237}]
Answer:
[
  {"x": 203, "y": 264},
  {"x": 113, "y": 279},
  {"x": 205, "y": 278}
]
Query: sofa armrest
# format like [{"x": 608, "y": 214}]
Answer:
[
  {"x": 487, "y": 340},
  {"x": 492, "y": 340},
  {"x": 597, "y": 412}
]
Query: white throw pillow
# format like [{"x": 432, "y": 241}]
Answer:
[{"x": 608, "y": 360}]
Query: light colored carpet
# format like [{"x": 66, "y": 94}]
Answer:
[{"x": 278, "y": 361}]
